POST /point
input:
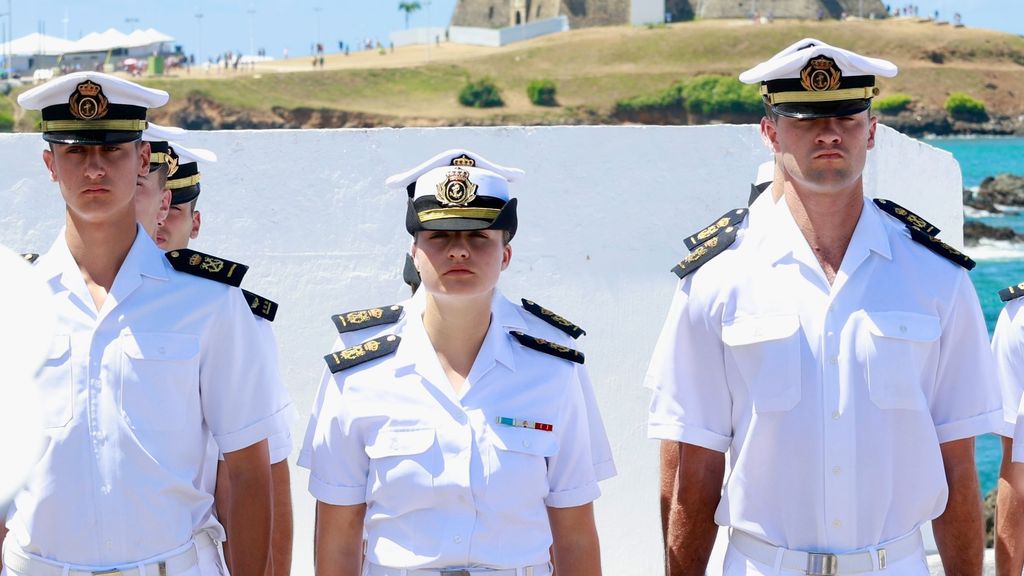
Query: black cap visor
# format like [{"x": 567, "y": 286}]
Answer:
[
  {"x": 184, "y": 195},
  {"x": 810, "y": 110},
  {"x": 505, "y": 220},
  {"x": 92, "y": 137}
]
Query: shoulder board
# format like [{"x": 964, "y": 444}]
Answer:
[
  {"x": 553, "y": 319},
  {"x": 30, "y": 257},
  {"x": 906, "y": 216},
  {"x": 359, "y": 319},
  {"x": 356, "y": 355},
  {"x": 542, "y": 345},
  {"x": 730, "y": 218},
  {"x": 260, "y": 306},
  {"x": 705, "y": 252},
  {"x": 941, "y": 248},
  {"x": 1012, "y": 292},
  {"x": 206, "y": 266}
]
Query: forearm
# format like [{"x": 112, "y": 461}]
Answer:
[
  {"x": 959, "y": 533},
  {"x": 692, "y": 529},
  {"x": 669, "y": 469},
  {"x": 1010, "y": 515},
  {"x": 576, "y": 549},
  {"x": 282, "y": 529},
  {"x": 338, "y": 542},
  {"x": 250, "y": 510}
]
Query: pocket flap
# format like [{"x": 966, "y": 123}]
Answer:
[
  {"x": 754, "y": 329},
  {"x": 536, "y": 442},
  {"x": 159, "y": 346},
  {"x": 59, "y": 347},
  {"x": 904, "y": 325},
  {"x": 400, "y": 442}
]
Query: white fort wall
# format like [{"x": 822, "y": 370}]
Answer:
[{"x": 603, "y": 214}]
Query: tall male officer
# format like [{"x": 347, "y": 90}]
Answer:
[
  {"x": 180, "y": 225},
  {"x": 838, "y": 354},
  {"x": 134, "y": 390}
]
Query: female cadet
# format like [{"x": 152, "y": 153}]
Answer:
[{"x": 460, "y": 436}]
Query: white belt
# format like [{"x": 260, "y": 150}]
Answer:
[
  {"x": 378, "y": 570},
  {"x": 823, "y": 564},
  {"x": 30, "y": 565}
]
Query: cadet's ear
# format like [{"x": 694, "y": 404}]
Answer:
[
  {"x": 769, "y": 134},
  {"x": 48, "y": 160},
  {"x": 872, "y": 125},
  {"x": 144, "y": 153}
]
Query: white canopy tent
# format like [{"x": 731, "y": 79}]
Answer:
[{"x": 36, "y": 50}]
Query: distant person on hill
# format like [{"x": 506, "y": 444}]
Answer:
[{"x": 836, "y": 352}]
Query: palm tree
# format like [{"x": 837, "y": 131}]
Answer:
[{"x": 409, "y": 8}]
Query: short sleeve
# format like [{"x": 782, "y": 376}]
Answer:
[
  {"x": 572, "y": 476},
  {"x": 338, "y": 463},
  {"x": 600, "y": 448},
  {"x": 1008, "y": 350},
  {"x": 241, "y": 391},
  {"x": 305, "y": 452},
  {"x": 966, "y": 400},
  {"x": 690, "y": 399}
]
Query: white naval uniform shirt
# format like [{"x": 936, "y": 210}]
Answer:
[
  {"x": 445, "y": 484},
  {"x": 132, "y": 393},
  {"x": 830, "y": 400},
  {"x": 1008, "y": 348},
  {"x": 604, "y": 465}
]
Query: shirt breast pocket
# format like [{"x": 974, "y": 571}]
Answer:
[
  {"x": 403, "y": 458},
  {"x": 518, "y": 461},
  {"x": 55, "y": 384},
  {"x": 159, "y": 378},
  {"x": 765, "y": 350},
  {"x": 898, "y": 348}
]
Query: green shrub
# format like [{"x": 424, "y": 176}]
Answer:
[
  {"x": 960, "y": 106},
  {"x": 715, "y": 95},
  {"x": 482, "y": 93},
  {"x": 6, "y": 122},
  {"x": 892, "y": 104},
  {"x": 541, "y": 92},
  {"x": 703, "y": 95}
]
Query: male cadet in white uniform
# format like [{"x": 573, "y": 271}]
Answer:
[
  {"x": 182, "y": 223},
  {"x": 152, "y": 197},
  {"x": 1008, "y": 347},
  {"x": 839, "y": 355},
  {"x": 133, "y": 390}
]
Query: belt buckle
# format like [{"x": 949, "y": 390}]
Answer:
[
  {"x": 456, "y": 572},
  {"x": 822, "y": 564}
]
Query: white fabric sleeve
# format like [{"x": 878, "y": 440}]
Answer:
[
  {"x": 240, "y": 391},
  {"x": 1008, "y": 349},
  {"x": 306, "y": 450},
  {"x": 690, "y": 398},
  {"x": 338, "y": 463},
  {"x": 965, "y": 401},
  {"x": 572, "y": 478},
  {"x": 600, "y": 448}
]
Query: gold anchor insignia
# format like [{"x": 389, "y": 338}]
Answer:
[
  {"x": 457, "y": 189},
  {"x": 353, "y": 353},
  {"x": 172, "y": 161},
  {"x": 821, "y": 74},
  {"x": 555, "y": 317},
  {"x": 212, "y": 264},
  {"x": 87, "y": 102},
  {"x": 700, "y": 251},
  {"x": 357, "y": 317}
]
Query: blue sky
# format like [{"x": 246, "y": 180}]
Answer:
[{"x": 296, "y": 24}]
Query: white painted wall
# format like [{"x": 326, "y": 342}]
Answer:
[
  {"x": 603, "y": 212},
  {"x": 646, "y": 12},
  {"x": 508, "y": 35},
  {"x": 416, "y": 36}
]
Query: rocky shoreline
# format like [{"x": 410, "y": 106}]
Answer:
[
  {"x": 929, "y": 122},
  {"x": 997, "y": 194}
]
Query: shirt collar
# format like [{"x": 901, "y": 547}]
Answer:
[{"x": 786, "y": 238}]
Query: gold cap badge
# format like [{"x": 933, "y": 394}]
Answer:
[
  {"x": 463, "y": 161},
  {"x": 87, "y": 102},
  {"x": 821, "y": 74},
  {"x": 457, "y": 189}
]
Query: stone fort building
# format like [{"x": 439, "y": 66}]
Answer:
[{"x": 585, "y": 13}]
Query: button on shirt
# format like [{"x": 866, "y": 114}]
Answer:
[
  {"x": 445, "y": 484},
  {"x": 131, "y": 395},
  {"x": 831, "y": 400}
]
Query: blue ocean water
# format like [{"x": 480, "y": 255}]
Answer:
[{"x": 998, "y": 266}]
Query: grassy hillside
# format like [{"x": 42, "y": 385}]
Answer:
[{"x": 596, "y": 67}]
